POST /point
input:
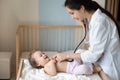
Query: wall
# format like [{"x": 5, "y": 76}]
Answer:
[
  {"x": 101, "y": 2},
  {"x": 7, "y": 25},
  {"x": 54, "y": 13},
  {"x": 28, "y": 11},
  {"x": 13, "y": 13}
]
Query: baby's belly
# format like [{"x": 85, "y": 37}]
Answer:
[{"x": 61, "y": 66}]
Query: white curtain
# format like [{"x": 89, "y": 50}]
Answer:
[{"x": 112, "y": 7}]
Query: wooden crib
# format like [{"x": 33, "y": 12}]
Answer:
[{"x": 46, "y": 38}]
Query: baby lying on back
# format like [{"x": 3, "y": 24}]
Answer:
[{"x": 51, "y": 66}]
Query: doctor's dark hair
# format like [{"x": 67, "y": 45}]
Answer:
[{"x": 89, "y": 6}]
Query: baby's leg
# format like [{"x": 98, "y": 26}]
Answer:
[
  {"x": 83, "y": 69},
  {"x": 96, "y": 68}
]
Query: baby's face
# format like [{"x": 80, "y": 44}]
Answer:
[{"x": 40, "y": 58}]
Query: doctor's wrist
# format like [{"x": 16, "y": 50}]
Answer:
[{"x": 73, "y": 56}]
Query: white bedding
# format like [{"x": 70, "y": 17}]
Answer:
[{"x": 29, "y": 73}]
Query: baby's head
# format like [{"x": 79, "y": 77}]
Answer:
[{"x": 38, "y": 59}]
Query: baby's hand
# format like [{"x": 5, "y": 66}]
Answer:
[
  {"x": 60, "y": 57},
  {"x": 53, "y": 60}
]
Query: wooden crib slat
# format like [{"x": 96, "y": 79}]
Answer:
[
  {"x": 17, "y": 48},
  {"x": 20, "y": 69}
]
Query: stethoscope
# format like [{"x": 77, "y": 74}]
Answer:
[{"x": 85, "y": 25}]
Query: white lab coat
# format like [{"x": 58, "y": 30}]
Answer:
[{"x": 103, "y": 38}]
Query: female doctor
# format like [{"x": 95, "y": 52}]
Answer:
[{"x": 104, "y": 41}]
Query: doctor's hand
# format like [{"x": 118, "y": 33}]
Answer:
[{"x": 60, "y": 57}]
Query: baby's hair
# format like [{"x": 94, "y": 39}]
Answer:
[{"x": 32, "y": 60}]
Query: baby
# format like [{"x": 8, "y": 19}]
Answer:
[{"x": 39, "y": 59}]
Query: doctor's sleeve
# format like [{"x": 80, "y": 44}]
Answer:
[{"x": 98, "y": 41}]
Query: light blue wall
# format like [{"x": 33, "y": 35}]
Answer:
[
  {"x": 52, "y": 12},
  {"x": 57, "y": 39}
]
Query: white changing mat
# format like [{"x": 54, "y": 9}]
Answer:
[{"x": 29, "y": 73}]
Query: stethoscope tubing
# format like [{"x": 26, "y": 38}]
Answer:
[{"x": 71, "y": 60}]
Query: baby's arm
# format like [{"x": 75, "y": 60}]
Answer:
[{"x": 50, "y": 67}]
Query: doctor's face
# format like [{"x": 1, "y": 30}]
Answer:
[{"x": 76, "y": 14}]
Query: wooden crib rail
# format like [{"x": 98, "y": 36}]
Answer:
[{"x": 46, "y": 38}]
